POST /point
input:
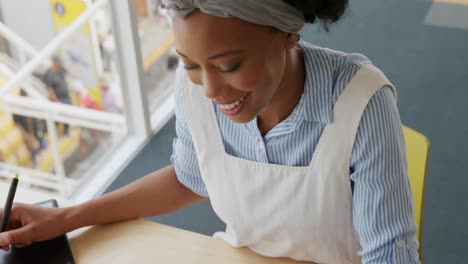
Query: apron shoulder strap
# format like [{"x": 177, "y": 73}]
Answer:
[
  {"x": 337, "y": 140},
  {"x": 201, "y": 117}
]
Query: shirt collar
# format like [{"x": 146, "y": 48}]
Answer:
[{"x": 316, "y": 102}]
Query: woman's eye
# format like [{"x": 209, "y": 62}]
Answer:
[
  {"x": 233, "y": 68},
  {"x": 191, "y": 67}
]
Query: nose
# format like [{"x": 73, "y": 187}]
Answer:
[{"x": 212, "y": 84}]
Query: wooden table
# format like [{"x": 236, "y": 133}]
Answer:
[{"x": 141, "y": 241}]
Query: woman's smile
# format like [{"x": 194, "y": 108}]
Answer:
[{"x": 234, "y": 108}]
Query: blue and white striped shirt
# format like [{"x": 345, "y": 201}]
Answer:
[{"x": 382, "y": 201}]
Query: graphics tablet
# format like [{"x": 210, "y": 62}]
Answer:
[{"x": 54, "y": 251}]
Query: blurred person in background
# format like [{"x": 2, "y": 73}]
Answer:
[
  {"x": 56, "y": 82},
  {"x": 87, "y": 135},
  {"x": 28, "y": 132},
  {"x": 111, "y": 99}
]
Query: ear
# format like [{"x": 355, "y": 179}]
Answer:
[{"x": 291, "y": 40}]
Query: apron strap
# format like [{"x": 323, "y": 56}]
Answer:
[
  {"x": 347, "y": 113},
  {"x": 201, "y": 117}
]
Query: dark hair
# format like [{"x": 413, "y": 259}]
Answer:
[{"x": 327, "y": 11}]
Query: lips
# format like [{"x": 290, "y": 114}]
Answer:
[
  {"x": 233, "y": 104},
  {"x": 234, "y": 108}
]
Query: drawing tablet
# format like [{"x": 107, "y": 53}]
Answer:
[{"x": 54, "y": 251}]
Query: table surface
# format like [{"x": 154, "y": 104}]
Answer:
[{"x": 141, "y": 241}]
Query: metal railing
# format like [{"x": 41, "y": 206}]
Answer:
[{"x": 34, "y": 87}]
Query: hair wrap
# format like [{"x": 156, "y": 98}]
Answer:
[{"x": 274, "y": 13}]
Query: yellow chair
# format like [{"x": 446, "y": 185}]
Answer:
[{"x": 417, "y": 151}]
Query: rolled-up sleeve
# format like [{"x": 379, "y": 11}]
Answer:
[
  {"x": 382, "y": 198},
  {"x": 183, "y": 156}
]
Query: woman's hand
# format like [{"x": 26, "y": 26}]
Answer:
[{"x": 29, "y": 223}]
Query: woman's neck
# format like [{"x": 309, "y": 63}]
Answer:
[{"x": 287, "y": 96}]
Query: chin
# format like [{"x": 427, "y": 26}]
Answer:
[{"x": 242, "y": 118}]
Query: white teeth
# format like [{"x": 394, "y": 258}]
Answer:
[{"x": 233, "y": 105}]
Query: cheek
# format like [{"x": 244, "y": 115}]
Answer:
[
  {"x": 247, "y": 82},
  {"x": 270, "y": 70},
  {"x": 194, "y": 77},
  {"x": 256, "y": 78},
  {"x": 265, "y": 83}
]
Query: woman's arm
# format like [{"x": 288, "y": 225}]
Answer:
[
  {"x": 382, "y": 199},
  {"x": 157, "y": 193}
]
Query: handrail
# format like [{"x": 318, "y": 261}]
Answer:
[
  {"x": 10, "y": 35},
  {"x": 33, "y": 79},
  {"x": 34, "y": 87},
  {"x": 45, "y": 175},
  {"x": 5, "y": 59},
  {"x": 66, "y": 113},
  {"x": 53, "y": 46},
  {"x": 36, "y": 177}
]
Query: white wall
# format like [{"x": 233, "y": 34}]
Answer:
[{"x": 30, "y": 19}]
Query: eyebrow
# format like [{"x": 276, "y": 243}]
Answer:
[{"x": 217, "y": 56}]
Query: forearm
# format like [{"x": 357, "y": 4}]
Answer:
[
  {"x": 155, "y": 194},
  {"x": 51, "y": 94}
]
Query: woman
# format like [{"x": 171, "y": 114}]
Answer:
[{"x": 299, "y": 148}]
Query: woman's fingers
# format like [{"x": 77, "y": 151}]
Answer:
[
  {"x": 28, "y": 224},
  {"x": 3, "y": 247},
  {"x": 12, "y": 225},
  {"x": 15, "y": 237}
]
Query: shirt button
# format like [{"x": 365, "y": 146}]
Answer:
[
  {"x": 400, "y": 243},
  {"x": 261, "y": 145}
]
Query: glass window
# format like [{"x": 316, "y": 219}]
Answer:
[
  {"x": 158, "y": 54},
  {"x": 62, "y": 121}
]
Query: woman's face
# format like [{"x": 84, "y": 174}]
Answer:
[{"x": 240, "y": 65}]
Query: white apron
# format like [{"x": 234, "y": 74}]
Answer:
[{"x": 304, "y": 213}]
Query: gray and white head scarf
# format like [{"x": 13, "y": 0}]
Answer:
[{"x": 274, "y": 13}]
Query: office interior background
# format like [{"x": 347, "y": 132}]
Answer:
[{"x": 115, "y": 123}]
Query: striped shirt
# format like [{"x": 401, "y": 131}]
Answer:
[{"x": 382, "y": 200}]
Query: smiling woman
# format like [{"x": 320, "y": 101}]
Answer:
[{"x": 306, "y": 137}]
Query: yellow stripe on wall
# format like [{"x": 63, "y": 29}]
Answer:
[
  {"x": 167, "y": 42},
  {"x": 454, "y": 2}
]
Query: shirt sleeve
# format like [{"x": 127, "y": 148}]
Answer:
[
  {"x": 382, "y": 199},
  {"x": 183, "y": 156},
  {"x": 46, "y": 79}
]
